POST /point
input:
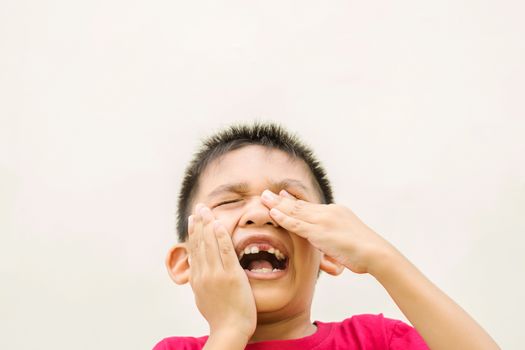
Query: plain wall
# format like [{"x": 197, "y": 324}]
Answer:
[{"x": 415, "y": 108}]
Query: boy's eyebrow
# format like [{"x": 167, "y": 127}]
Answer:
[{"x": 243, "y": 187}]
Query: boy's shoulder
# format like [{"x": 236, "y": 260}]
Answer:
[
  {"x": 368, "y": 331},
  {"x": 372, "y": 331}
]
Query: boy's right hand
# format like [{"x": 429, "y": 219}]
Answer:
[{"x": 222, "y": 291}]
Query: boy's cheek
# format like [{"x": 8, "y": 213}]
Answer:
[{"x": 229, "y": 219}]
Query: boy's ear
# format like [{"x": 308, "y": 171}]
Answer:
[
  {"x": 330, "y": 265},
  {"x": 177, "y": 263}
]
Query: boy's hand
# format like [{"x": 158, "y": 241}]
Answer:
[
  {"x": 338, "y": 233},
  {"x": 333, "y": 229},
  {"x": 222, "y": 290}
]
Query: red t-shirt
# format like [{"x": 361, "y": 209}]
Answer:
[{"x": 356, "y": 333}]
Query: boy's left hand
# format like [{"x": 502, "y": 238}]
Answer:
[
  {"x": 339, "y": 233},
  {"x": 333, "y": 229}
]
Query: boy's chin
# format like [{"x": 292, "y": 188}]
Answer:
[{"x": 271, "y": 298}]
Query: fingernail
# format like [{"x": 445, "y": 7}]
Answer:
[
  {"x": 285, "y": 193},
  {"x": 269, "y": 196},
  {"x": 275, "y": 212},
  {"x": 206, "y": 213},
  {"x": 198, "y": 208}
]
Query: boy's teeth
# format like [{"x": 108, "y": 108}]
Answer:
[
  {"x": 264, "y": 270},
  {"x": 255, "y": 250}
]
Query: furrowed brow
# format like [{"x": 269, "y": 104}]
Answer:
[
  {"x": 288, "y": 183},
  {"x": 243, "y": 187},
  {"x": 239, "y": 188}
]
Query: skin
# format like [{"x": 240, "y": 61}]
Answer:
[{"x": 331, "y": 237}]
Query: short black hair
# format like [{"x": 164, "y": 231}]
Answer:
[{"x": 268, "y": 134}]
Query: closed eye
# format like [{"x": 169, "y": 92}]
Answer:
[{"x": 226, "y": 202}]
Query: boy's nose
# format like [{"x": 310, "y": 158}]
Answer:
[{"x": 256, "y": 214}]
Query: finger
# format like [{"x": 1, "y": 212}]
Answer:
[
  {"x": 293, "y": 207},
  {"x": 286, "y": 194},
  {"x": 226, "y": 248},
  {"x": 196, "y": 225},
  {"x": 299, "y": 227},
  {"x": 195, "y": 240},
  {"x": 211, "y": 247},
  {"x": 190, "y": 233},
  {"x": 190, "y": 225}
]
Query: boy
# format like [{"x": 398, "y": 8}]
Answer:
[{"x": 262, "y": 227}]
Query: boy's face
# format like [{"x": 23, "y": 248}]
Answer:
[{"x": 239, "y": 178}]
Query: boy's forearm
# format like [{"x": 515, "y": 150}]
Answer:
[
  {"x": 438, "y": 319},
  {"x": 226, "y": 340}
]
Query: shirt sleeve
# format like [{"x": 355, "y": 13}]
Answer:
[
  {"x": 405, "y": 337},
  {"x": 181, "y": 343},
  {"x": 161, "y": 345}
]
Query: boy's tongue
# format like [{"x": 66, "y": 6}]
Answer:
[{"x": 260, "y": 264}]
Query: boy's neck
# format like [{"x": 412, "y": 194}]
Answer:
[{"x": 297, "y": 326}]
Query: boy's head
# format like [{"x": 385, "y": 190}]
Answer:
[
  {"x": 228, "y": 175},
  {"x": 271, "y": 136}
]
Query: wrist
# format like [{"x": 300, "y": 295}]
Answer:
[
  {"x": 386, "y": 262},
  {"x": 227, "y": 338}
]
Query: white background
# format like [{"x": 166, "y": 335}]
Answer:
[{"x": 415, "y": 108}]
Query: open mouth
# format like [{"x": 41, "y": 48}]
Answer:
[{"x": 262, "y": 258}]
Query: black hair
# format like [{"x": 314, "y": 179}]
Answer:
[{"x": 271, "y": 135}]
